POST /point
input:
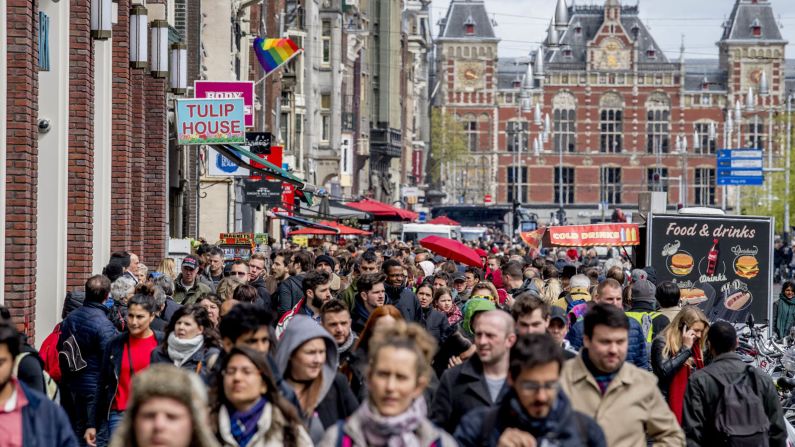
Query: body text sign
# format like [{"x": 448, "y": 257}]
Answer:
[
  {"x": 229, "y": 90},
  {"x": 210, "y": 121}
]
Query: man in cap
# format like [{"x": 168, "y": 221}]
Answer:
[
  {"x": 187, "y": 288},
  {"x": 558, "y": 327},
  {"x": 643, "y": 306},
  {"x": 460, "y": 288}
]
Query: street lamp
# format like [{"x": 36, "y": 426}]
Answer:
[
  {"x": 158, "y": 52},
  {"x": 101, "y": 19},
  {"x": 138, "y": 36},
  {"x": 787, "y": 168},
  {"x": 178, "y": 80}
]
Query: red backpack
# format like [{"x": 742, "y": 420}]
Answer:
[{"x": 49, "y": 354}]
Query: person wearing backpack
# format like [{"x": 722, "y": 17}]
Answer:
[
  {"x": 577, "y": 293},
  {"x": 535, "y": 410},
  {"x": 730, "y": 403}
]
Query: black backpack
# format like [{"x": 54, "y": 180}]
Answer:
[{"x": 740, "y": 413}]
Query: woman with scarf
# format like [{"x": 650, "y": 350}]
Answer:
[
  {"x": 677, "y": 352},
  {"x": 191, "y": 342},
  {"x": 247, "y": 409},
  {"x": 785, "y": 309},
  {"x": 394, "y": 414},
  {"x": 307, "y": 359},
  {"x": 443, "y": 302},
  {"x": 434, "y": 321}
]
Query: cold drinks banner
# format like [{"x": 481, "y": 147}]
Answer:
[
  {"x": 597, "y": 235},
  {"x": 722, "y": 264},
  {"x": 211, "y": 121}
]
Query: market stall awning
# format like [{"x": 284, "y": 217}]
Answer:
[
  {"x": 597, "y": 235},
  {"x": 307, "y": 223},
  {"x": 342, "y": 230},
  {"x": 336, "y": 210},
  {"x": 443, "y": 220},
  {"x": 383, "y": 211},
  {"x": 304, "y": 191}
]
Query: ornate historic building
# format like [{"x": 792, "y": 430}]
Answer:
[{"x": 599, "y": 113}]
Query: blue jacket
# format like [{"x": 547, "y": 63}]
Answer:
[
  {"x": 93, "y": 330},
  {"x": 108, "y": 383},
  {"x": 565, "y": 427},
  {"x": 44, "y": 424},
  {"x": 636, "y": 351}
]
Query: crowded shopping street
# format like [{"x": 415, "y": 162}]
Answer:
[{"x": 397, "y": 223}]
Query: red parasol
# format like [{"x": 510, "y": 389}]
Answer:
[
  {"x": 452, "y": 250},
  {"x": 383, "y": 211},
  {"x": 444, "y": 220}
]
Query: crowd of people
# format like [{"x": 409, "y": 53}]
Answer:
[{"x": 382, "y": 344}]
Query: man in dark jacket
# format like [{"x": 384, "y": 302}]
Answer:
[
  {"x": 187, "y": 288},
  {"x": 257, "y": 274},
  {"x": 291, "y": 290},
  {"x": 609, "y": 292},
  {"x": 481, "y": 381},
  {"x": 85, "y": 334},
  {"x": 704, "y": 391},
  {"x": 535, "y": 409},
  {"x": 214, "y": 272},
  {"x": 27, "y": 418},
  {"x": 397, "y": 294}
]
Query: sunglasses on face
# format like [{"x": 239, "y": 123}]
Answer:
[{"x": 483, "y": 297}]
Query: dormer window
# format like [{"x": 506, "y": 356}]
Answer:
[
  {"x": 567, "y": 52},
  {"x": 517, "y": 83},
  {"x": 635, "y": 30},
  {"x": 651, "y": 53},
  {"x": 756, "y": 28},
  {"x": 469, "y": 26},
  {"x": 578, "y": 28}
]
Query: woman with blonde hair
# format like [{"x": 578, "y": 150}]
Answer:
[
  {"x": 227, "y": 286},
  {"x": 677, "y": 352},
  {"x": 394, "y": 414},
  {"x": 552, "y": 290},
  {"x": 168, "y": 267}
]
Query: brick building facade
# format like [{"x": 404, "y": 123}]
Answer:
[
  {"x": 84, "y": 142},
  {"x": 598, "y": 113}
]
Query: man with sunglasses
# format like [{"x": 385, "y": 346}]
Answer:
[{"x": 534, "y": 411}]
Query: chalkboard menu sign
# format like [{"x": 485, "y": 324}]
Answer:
[{"x": 722, "y": 264}]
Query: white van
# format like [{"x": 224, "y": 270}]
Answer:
[
  {"x": 472, "y": 233},
  {"x": 417, "y": 232}
]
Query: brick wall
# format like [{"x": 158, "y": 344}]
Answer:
[
  {"x": 155, "y": 181},
  {"x": 21, "y": 164},
  {"x": 122, "y": 132},
  {"x": 137, "y": 160},
  {"x": 81, "y": 141}
]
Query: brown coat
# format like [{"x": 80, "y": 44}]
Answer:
[{"x": 631, "y": 410}]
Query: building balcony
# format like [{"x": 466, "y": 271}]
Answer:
[{"x": 386, "y": 142}]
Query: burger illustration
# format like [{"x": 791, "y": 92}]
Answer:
[
  {"x": 681, "y": 263},
  {"x": 746, "y": 267},
  {"x": 693, "y": 296}
]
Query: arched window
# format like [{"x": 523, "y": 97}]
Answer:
[
  {"x": 564, "y": 122},
  {"x": 611, "y": 115},
  {"x": 658, "y": 124}
]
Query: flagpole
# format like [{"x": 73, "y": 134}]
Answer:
[{"x": 293, "y": 56}]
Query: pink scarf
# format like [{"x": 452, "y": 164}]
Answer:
[
  {"x": 453, "y": 315},
  {"x": 395, "y": 431}
]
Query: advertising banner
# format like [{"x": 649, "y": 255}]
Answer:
[
  {"x": 220, "y": 166},
  {"x": 210, "y": 121},
  {"x": 722, "y": 264},
  {"x": 263, "y": 192},
  {"x": 597, "y": 235},
  {"x": 229, "y": 90}
]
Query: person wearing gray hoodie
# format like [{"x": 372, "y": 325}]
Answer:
[{"x": 307, "y": 359}]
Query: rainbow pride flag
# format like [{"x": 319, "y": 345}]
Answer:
[{"x": 273, "y": 53}]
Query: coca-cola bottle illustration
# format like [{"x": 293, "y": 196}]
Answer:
[{"x": 712, "y": 258}]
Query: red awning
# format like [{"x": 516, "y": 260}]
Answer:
[
  {"x": 382, "y": 211},
  {"x": 342, "y": 230},
  {"x": 443, "y": 220}
]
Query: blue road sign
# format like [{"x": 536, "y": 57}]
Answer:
[
  {"x": 423, "y": 216},
  {"x": 740, "y": 167}
]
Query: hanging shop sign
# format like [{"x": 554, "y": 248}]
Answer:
[
  {"x": 210, "y": 121},
  {"x": 597, "y": 235},
  {"x": 229, "y": 90}
]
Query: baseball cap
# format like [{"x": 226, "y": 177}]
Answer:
[
  {"x": 558, "y": 313},
  {"x": 643, "y": 290},
  {"x": 459, "y": 278},
  {"x": 639, "y": 274},
  {"x": 190, "y": 262}
]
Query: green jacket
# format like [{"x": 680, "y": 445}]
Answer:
[
  {"x": 195, "y": 294},
  {"x": 348, "y": 296}
]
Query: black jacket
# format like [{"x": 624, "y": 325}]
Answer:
[
  {"x": 170, "y": 309},
  {"x": 92, "y": 330},
  {"x": 109, "y": 378},
  {"x": 665, "y": 368},
  {"x": 262, "y": 292},
  {"x": 31, "y": 367},
  {"x": 339, "y": 402},
  {"x": 483, "y": 426},
  {"x": 44, "y": 423},
  {"x": 704, "y": 392},
  {"x": 461, "y": 390},
  {"x": 405, "y": 301},
  {"x": 435, "y": 323},
  {"x": 290, "y": 292}
]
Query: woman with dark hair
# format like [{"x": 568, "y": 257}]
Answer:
[
  {"x": 443, "y": 302},
  {"x": 246, "y": 294},
  {"x": 432, "y": 320},
  {"x": 212, "y": 304},
  {"x": 191, "y": 342},
  {"x": 394, "y": 413},
  {"x": 127, "y": 354},
  {"x": 247, "y": 409},
  {"x": 785, "y": 309}
]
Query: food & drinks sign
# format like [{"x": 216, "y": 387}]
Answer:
[
  {"x": 722, "y": 264},
  {"x": 211, "y": 121}
]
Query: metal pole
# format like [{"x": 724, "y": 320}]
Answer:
[
  {"x": 770, "y": 151},
  {"x": 786, "y": 170},
  {"x": 738, "y": 191}
]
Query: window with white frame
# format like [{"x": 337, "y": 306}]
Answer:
[
  {"x": 755, "y": 133},
  {"x": 705, "y": 186},
  {"x": 325, "y": 116},
  {"x": 564, "y": 184},
  {"x": 471, "y": 130},
  {"x": 516, "y": 134},
  {"x": 655, "y": 179},
  {"x": 325, "y": 39},
  {"x": 611, "y": 126},
  {"x": 707, "y": 145},
  {"x": 564, "y": 122},
  {"x": 658, "y": 124},
  {"x": 610, "y": 185},
  {"x": 514, "y": 173}
]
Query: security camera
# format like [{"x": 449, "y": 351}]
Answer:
[{"x": 44, "y": 125}]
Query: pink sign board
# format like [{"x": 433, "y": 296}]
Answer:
[{"x": 229, "y": 90}]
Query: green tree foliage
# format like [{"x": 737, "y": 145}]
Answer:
[{"x": 448, "y": 142}]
